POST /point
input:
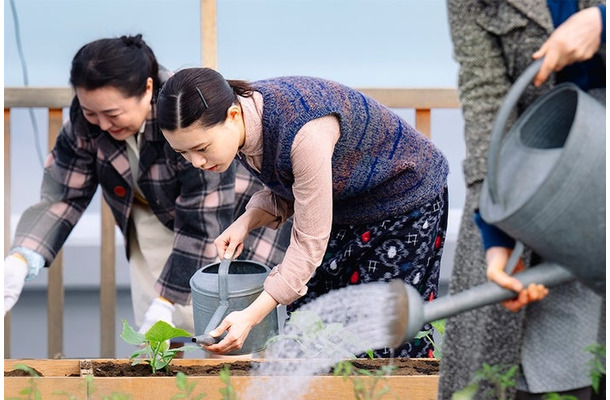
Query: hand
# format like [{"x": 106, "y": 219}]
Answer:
[
  {"x": 15, "y": 271},
  {"x": 576, "y": 39},
  {"x": 497, "y": 257},
  {"x": 238, "y": 324},
  {"x": 159, "y": 310},
  {"x": 230, "y": 243}
]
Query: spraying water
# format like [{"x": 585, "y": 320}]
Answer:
[{"x": 334, "y": 327}]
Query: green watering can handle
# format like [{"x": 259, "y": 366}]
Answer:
[{"x": 498, "y": 129}]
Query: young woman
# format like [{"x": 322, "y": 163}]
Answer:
[
  {"x": 367, "y": 191},
  {"x": 169, "y": 212}
]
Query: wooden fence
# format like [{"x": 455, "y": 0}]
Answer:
[{"x": 422, "y": 100}]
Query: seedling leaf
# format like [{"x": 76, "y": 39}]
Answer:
[{"x": 131, "y": 336}]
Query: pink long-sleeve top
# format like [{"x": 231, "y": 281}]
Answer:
[{"x": 311, "y": 156}]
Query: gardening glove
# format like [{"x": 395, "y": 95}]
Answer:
[
  {"x": 15, "y": 271},
  {"x": 160, "y": 309}
]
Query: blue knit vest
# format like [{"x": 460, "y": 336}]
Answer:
[{"x": 382, "y": 167}]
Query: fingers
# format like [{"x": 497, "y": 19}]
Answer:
[
  {"x": 233, "y": 340},
  {"x": 576, "y": 39},
  {"x": 534, "y": 292},
  {"x": 497, "y": 257},
  {"x": 228, "y": 248},
  {"x": 9, "y": 302}
]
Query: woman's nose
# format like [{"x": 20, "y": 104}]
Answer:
[
  {"x": 198, "y": 160},
  {"x": 105, "y": 123}
]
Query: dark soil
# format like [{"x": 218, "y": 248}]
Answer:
[
  {"x": 20, "y": 372},
  {"x": 403, "y": 366}
]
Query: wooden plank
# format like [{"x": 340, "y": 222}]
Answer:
[
  {"x": 55, "y": 291},
  {"x": 390, "y": 97},
  {"x": 47, "y": 388},
  {"x": 422, "y": 121},
  {"x": 7, "y": 217},
  {"x": 45, "y": 97},
  {"x": 414, "y": 97},
  {"x": 209, "y": 41},
  {"x": 108, "y": 284}
]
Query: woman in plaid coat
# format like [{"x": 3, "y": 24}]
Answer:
[{"x": 169, "y": 212}]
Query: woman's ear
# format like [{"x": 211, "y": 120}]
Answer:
[
  {"x": 234, "y": 113},
  {"x": 149, "y": 89}
]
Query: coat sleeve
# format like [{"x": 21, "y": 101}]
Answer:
[
  {"x": 68, "y": 185},
  {"x": 204, "y": 208},
  {"x": 482, "y": 80}
]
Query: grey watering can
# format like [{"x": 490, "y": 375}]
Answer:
[
  {"x": 220, "y": 288},
  {"x": 546, "y": 178}
]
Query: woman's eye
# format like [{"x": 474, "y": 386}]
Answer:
[{"x": 202, "y": 150}]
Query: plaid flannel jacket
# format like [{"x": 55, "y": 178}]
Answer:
[{"x": 195, "y": 204}]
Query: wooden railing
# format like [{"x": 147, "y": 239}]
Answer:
[{"x": 55, "y": 99}]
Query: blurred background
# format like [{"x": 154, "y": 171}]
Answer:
[{"x": 360, "y": 43}]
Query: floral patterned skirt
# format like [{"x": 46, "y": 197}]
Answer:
[{"x": 407, "y": 246}]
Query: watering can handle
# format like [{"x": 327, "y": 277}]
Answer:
[
  {"x": 498, "y": 129},
  {"x": 223, "y": 304}
]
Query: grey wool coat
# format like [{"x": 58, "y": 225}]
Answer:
[{"x": 493, "y": 42}]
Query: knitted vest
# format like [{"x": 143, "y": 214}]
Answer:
[{"x": 382, "y": 167}]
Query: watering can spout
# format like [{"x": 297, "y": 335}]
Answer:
[{"x": 205, "y": 339}]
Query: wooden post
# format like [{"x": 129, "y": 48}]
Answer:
[
  {"x": 209, "y": 42},
  {"x": 108, "y": 284},
  {"x": 7, "y": 217},
  {"x": 55, "y": 291},
  {"x": 422, "y": 121}
]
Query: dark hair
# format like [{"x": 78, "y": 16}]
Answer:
[
  {"x": 124, "y": 63},
  {"x": 198, "y": 95}
]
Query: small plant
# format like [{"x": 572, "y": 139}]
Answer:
[
  {"x": 500, "y": 376},
  {"x": 439, "y": 325},
  {"x": 31, "y": 391},
  {"x": 89, "y": 384},
  {"x": 227, "y": 392},
  {"x": 317, "y": 340},
  {"x": 186, "y": 388},
  {"x": 557, "y": 396},
  {"x": 597, "y": 364},
  {"x": 365, "y": 389},
  {"x": 154, "y": 344}
]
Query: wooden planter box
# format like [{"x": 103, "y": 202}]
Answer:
[{"x": 69, "y": 376}]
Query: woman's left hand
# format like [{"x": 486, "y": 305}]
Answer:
[{"x": 238, "y": 325}]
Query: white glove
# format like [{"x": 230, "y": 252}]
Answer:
[
  {"x": 159, "y": 310},
  {"x": 15, "y": 271}
]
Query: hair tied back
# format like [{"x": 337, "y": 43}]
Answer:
[{"x": 133, "y": 40}]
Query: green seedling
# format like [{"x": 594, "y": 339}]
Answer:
[
  {"x": 597, "y": 365},
  {"x": 500, "y": 376},
  {"x": 317, "y": 340},
  {"x": 439, "y": 325},
  {"x": 31, "y": 392},
  {"x": 154, "y": 344},
  {"x": 227, "y": 392},
  {"x": 186, "y": 389},
  {"x": 557, "y": 396},
  {"x": 366, "y": 384}
]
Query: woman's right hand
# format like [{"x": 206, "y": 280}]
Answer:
[
  {"x": 230, "y": 243},
  {"x": 497, "y": 258},
  {"x": 576, "y": 39}
]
